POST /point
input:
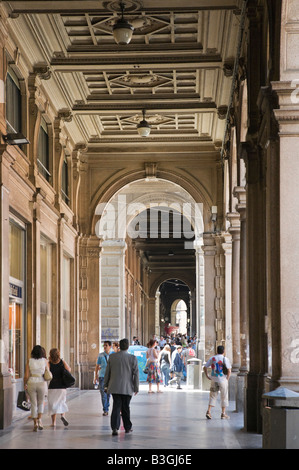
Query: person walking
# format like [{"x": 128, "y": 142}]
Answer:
[
  {"x": 122, "y": 381},
  {"x": 177, "y": 366},
  {"x": 36, "y": 385},
  {"x": 56, "y": 390},
  {"x": 165, "y": 360},
  {"x": 219, "y": 381},
  {"x": 100, "y": 370},
  {"x": 154, "y": 374}
]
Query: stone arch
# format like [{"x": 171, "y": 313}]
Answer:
[
  {"x": 116, "y": 183},
  {"x": 187, "y": 279}
]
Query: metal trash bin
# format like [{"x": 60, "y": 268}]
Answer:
[
  {"x": 281, "y": 419},
  {"x": 194, "y": 376}
]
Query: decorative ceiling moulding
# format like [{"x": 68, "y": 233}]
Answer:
[
  {"x": 141, "y": 80},
  {"x": 153, "y": 119},
  {"x": 72, "y": 6},
  {"x": 42, "y": 71},
  {"x": 130, "y": 5},
  {"x": 65, "y": 115}
]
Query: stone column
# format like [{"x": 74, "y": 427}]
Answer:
[
  {"x": 288, "y": 119},
  {"x": 234, "y": 230},
  {"x": 227, "y": 248},
  {"x": 89, "y": 308},
  {"x": 199, "y": 326},
  {"x": 209, "y": 342},
  {"x": 113, "y": 324},
  {"x": 150, "y": 318},
  {"x": 157, "y": 314},
  {"x": 240, "y": 193}
]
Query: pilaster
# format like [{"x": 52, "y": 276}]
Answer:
[
  {"x": 6, "y": 392},
  {"x": 112, "y": 287},
  {"x": 288, "y": 119},
  {"x": 209, "y": 250}
]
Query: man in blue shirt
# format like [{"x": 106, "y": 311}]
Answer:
[
  {"x": 177, "y": 365},
  {"x": 100, "y": 374}
]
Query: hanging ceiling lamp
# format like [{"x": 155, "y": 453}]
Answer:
[
  {"x": 122, "y": 30},
  {"x": 143, "y": 127}
]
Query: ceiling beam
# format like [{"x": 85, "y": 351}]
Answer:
[
  {"x": 122, "y": 107},
  {"x": 119, "y": 62},
  {"x": 104, "y": 6}
]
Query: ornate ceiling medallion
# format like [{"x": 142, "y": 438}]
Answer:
[
  {"x": 153, "y": 120},
  {"x": 130, "y": 5},
  {"x": 144, "y": 80}
]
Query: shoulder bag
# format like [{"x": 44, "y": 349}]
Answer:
[
  {"x": 48, "y": 375},
  {"x": 67, "y": 379}
]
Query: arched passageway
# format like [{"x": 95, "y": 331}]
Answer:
[
  {"x": 219, "y": 80},
  {"x": 149, "y": 237}
]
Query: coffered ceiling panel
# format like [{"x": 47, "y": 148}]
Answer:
[{"x": 177, "y": 68}]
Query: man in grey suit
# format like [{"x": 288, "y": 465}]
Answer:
[{"x": 122, "y": 381}]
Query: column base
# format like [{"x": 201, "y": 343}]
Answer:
[
  {"x": 253, "y": 392},
  {"x": 6, "y": 400}
]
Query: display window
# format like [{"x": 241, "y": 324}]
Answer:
[{"x": 16, "y": 299}]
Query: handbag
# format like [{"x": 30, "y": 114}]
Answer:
[
  {"x": 23, "y": 403},
  {"x": 67, "y": 379},
  {"x": 48, "y": 375}
]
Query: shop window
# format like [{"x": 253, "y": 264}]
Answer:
[
  {"x": 66, "y": 309},
  {"x": 45, "y": 294},
  {"x": 16, "y": 300},
  {"x": 43, "y": 155}
]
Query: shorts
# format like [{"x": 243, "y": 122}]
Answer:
[{"x": 221, "y": 387}]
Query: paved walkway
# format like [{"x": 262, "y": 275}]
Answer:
[{"x": 173, "y": 420}]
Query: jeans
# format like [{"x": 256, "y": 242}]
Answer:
[
  {"x": 165, "y": 373},
  {"x": 105, "y": 396},
  {"x": 177, "y": 378}
]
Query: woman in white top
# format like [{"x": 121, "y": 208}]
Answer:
[{"x": 35, "y": 384}]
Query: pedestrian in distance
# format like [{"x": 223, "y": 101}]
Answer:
[
  {"x": 154, "y": 373},
  {"x": 177, "y": 366},
  {"x": 221, "y": 371},
  {"x": 165, "y": 361},
  {"x": 122, "y": 382},
  {"x": 99, "y": 375}
]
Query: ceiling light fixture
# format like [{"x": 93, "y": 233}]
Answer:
[
  {"x": 143, "y": 127},
  {"x": 122, "y": 30}
]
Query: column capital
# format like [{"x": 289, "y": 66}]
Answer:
[
  {"x": 240, "y": 194},
  {"x": 234, "y": 220},
  {"x": 227, "y": 244},
  {"x": 114, "y": 246}
]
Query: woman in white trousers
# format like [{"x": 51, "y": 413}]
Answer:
[{"x": 36, "y": 385}]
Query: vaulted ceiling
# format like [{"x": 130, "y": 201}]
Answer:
[{"x": 178, "y": 66}]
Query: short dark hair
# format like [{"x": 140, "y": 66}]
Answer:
[
  {"x": 37, "y": 352},
  {"x": 124, "y": 344},
  {"x": 107, "y": 342},
  {"x": 220, "y": 349}
]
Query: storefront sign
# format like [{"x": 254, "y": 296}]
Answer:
[{"x": 15, "y": 291}]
